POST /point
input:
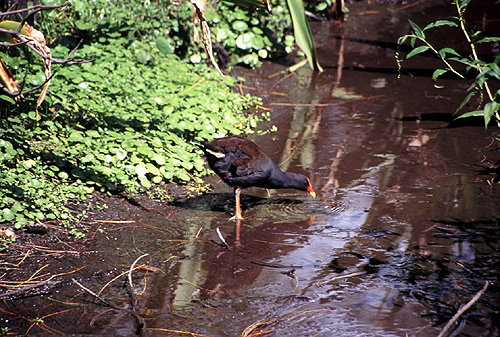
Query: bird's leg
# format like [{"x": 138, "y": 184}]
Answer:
[
  {"x": 238, "y": 229},
  {"x": 238, "y": 215}
]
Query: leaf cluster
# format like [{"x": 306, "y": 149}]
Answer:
[
  {"x": 89, "y": 20},
  {"x": 250, "y": 35},
  {"x": 485, "y": 72},
  {"x": 247, "y": 34}
]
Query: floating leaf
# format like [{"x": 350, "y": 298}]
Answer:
[
  {"x": 159, "y": 159},
  {"x": 240, "y": 25},
  {"x": 141, "y": 171},
  {"x": 244, "y": 41}
]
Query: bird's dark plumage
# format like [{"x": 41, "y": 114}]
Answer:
[{"x": 240, "y": 163}]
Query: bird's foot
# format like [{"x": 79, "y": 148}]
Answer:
[{"x": 236, "y": 218}]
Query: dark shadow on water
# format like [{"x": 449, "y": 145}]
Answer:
[{"x": 449, "y": 118}]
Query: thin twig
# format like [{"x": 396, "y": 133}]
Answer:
[
  {"x": 131, "y": 285},
  {"x": 35, "y": 9},
  {"x": 95, "y": 295},
  {"x": 221, "y": 237},
  {"x": 341, "y": 277},
  {"x": 139, "y": 319},
  {"x": 459, "y": 313}
]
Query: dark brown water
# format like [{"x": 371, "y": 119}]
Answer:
[{"x": 403, "y": 232}]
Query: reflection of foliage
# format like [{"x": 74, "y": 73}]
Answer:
[
  {"x": 445, "y": 282},
  {"x": 486, "y": 71}
]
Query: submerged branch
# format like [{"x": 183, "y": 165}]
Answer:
[{"x": 459, "y": 313}]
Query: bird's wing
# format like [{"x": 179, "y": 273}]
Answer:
[{"x": 245, "y": 172}]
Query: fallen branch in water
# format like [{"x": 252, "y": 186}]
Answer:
[
  {"x": 32, "y": 286},
  {"x": 139, "y": 319},
  {"x": 463, "y": 309},
  {"x": 177, "y": 332},
  {"x": 269, "y": 325}
]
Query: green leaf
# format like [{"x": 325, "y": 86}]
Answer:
[
  {"x": 142, "y": 56},
  {"x": 8, "y": 99},
  {"x": 244, "y": 41},
  {"x": 34, "y": 116},
  {"x": 403, "y": 38},
  {"x": 465, "y": 101},
  {"x": 494, "y": 71},
  {"x": 302, "y": 32},
  {"x": 240, "y": 26},
  {"x": 489, "y": 39},
  {"x": 440, "y": 23},
  {"x": 7, "y": 214},
  {"x": 121, "y": 154},
  {"x": 437, "y": 73},
  {"x": 141, "y": 171},
  {"x": 250, "y": 3},
  {"x": 472, "y": 114},
  {"x": 463, "y": 4},
  {"x": 416, "y": 51},
  {"x": 442, "y": 52},
  {"x": 145, "y": 182},
  {"x": 417, "y": 30},
  {"x": 489, "y": 111},
  {"x": 164, "y": 45},
  {"x": 182, "y": 175},
  {"x": 159, "y": 159}
]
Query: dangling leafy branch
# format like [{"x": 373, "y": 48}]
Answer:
[
  {"x": 486, "y": 71},
  {"x": 16, "y": 34}
]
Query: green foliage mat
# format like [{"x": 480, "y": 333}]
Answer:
[{"x": 122, "y": 123}]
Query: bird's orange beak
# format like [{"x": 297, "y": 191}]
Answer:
[{"x": 310, "y": 189}]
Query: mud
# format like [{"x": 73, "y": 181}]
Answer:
[{"x": 404, "y": 230}]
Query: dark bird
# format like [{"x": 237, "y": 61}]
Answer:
[{"x": 240, "y": 163}]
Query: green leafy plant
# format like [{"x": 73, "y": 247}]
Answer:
[
  {"x": 123, "y": 123},
  {"x": 258, "y": 34},
  {"x": 248, "y": 34},
  {"x": 4, "y": 331},
  {"x": 486, "y": 72}
]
